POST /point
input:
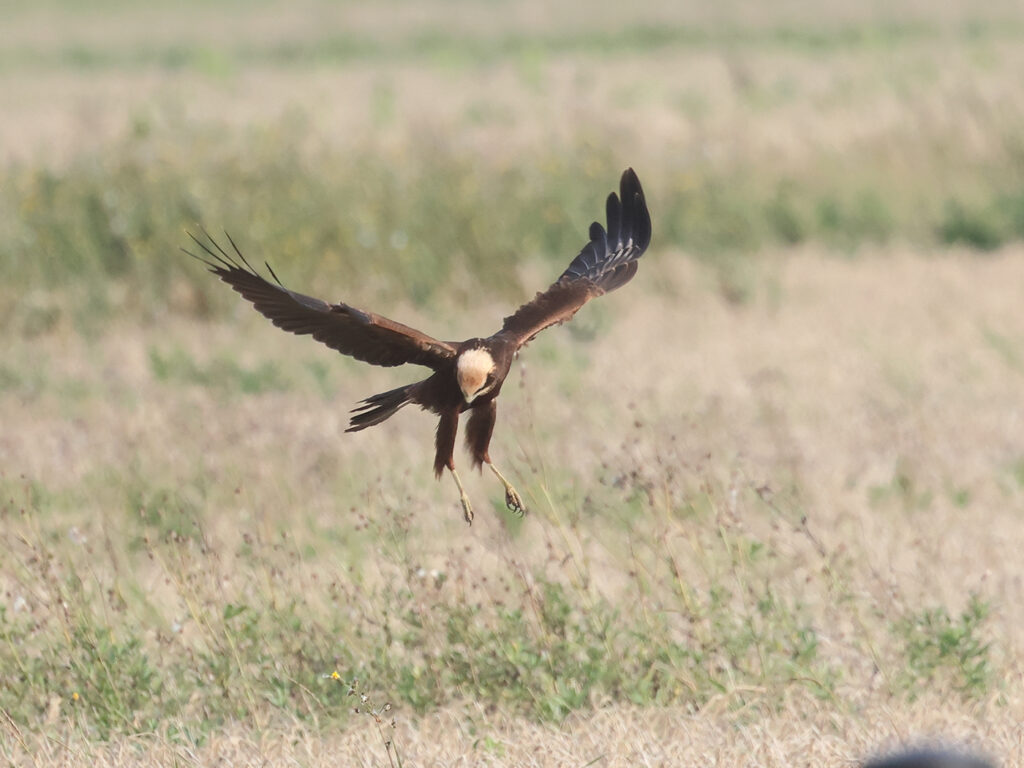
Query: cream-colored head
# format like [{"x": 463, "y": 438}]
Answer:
[{"x": 473, "y": 371}]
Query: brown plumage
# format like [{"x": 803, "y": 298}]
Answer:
[{"x": 466, "y": 375}]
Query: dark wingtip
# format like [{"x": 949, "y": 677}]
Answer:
[
  {"x": 634, "y": 201},
  {"x": 613, "y": 215},
  {"x": 626, "y": 238},
  {"x": 273, "y": 274},
  {"x": 219, "y": 260},
  {"x": 218, "y": 264},
  {"x": 629, "y": 184}
]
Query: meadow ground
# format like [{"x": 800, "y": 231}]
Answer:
[
  {"x": 801, "y": 499},
  {"x": 775, "y": 484}
]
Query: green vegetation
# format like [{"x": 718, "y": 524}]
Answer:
[
  {"x": 101, "y": 236},
  {"x": 176, "y": 366},
  {"x": 96, "y": 236},
  {"x": 252, "y": 628},
  {"x": 173, "y": 624},
  {"x": 450, "y": 48},
  {"x": 938, "y": 645}
]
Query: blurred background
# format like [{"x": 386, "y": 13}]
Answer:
[
  {"x": 776, "y": 483},
  {"x": 452, "y": 141}
]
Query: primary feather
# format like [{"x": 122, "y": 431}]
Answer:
[{"x": 607, "y": 262}]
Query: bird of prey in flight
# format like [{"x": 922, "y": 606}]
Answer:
[{"x": 466, "y": 375}]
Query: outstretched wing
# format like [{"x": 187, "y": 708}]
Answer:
[
  {"x": 607, "y": 262},
  {"x": 363, "y": 335}
]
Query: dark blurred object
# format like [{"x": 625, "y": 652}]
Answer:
[{"x": 929, "y": 758}]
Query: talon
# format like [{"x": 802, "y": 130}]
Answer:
[
  {"x": 514, "y": 502},
  {"x": 467, "y": 509},
  {"x": 512, "y": 498}
]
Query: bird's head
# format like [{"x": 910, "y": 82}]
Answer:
[{"x": 475, "y": 373}]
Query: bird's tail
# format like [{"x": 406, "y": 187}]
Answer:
[{"x": 377, "y": 408}]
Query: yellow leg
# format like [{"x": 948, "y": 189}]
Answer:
[
  {"x": 467, "y": 509},
  {"x": 512, "y": 498}
]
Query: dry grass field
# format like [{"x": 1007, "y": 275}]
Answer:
[{"x": 776, "y": 484}]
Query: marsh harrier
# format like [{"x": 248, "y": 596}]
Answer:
[{"x": 467, "y": 375}]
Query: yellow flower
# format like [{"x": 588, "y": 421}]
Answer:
[
  {"x": 74, "y": 696},
  {"x": 335, "y": 675}
]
